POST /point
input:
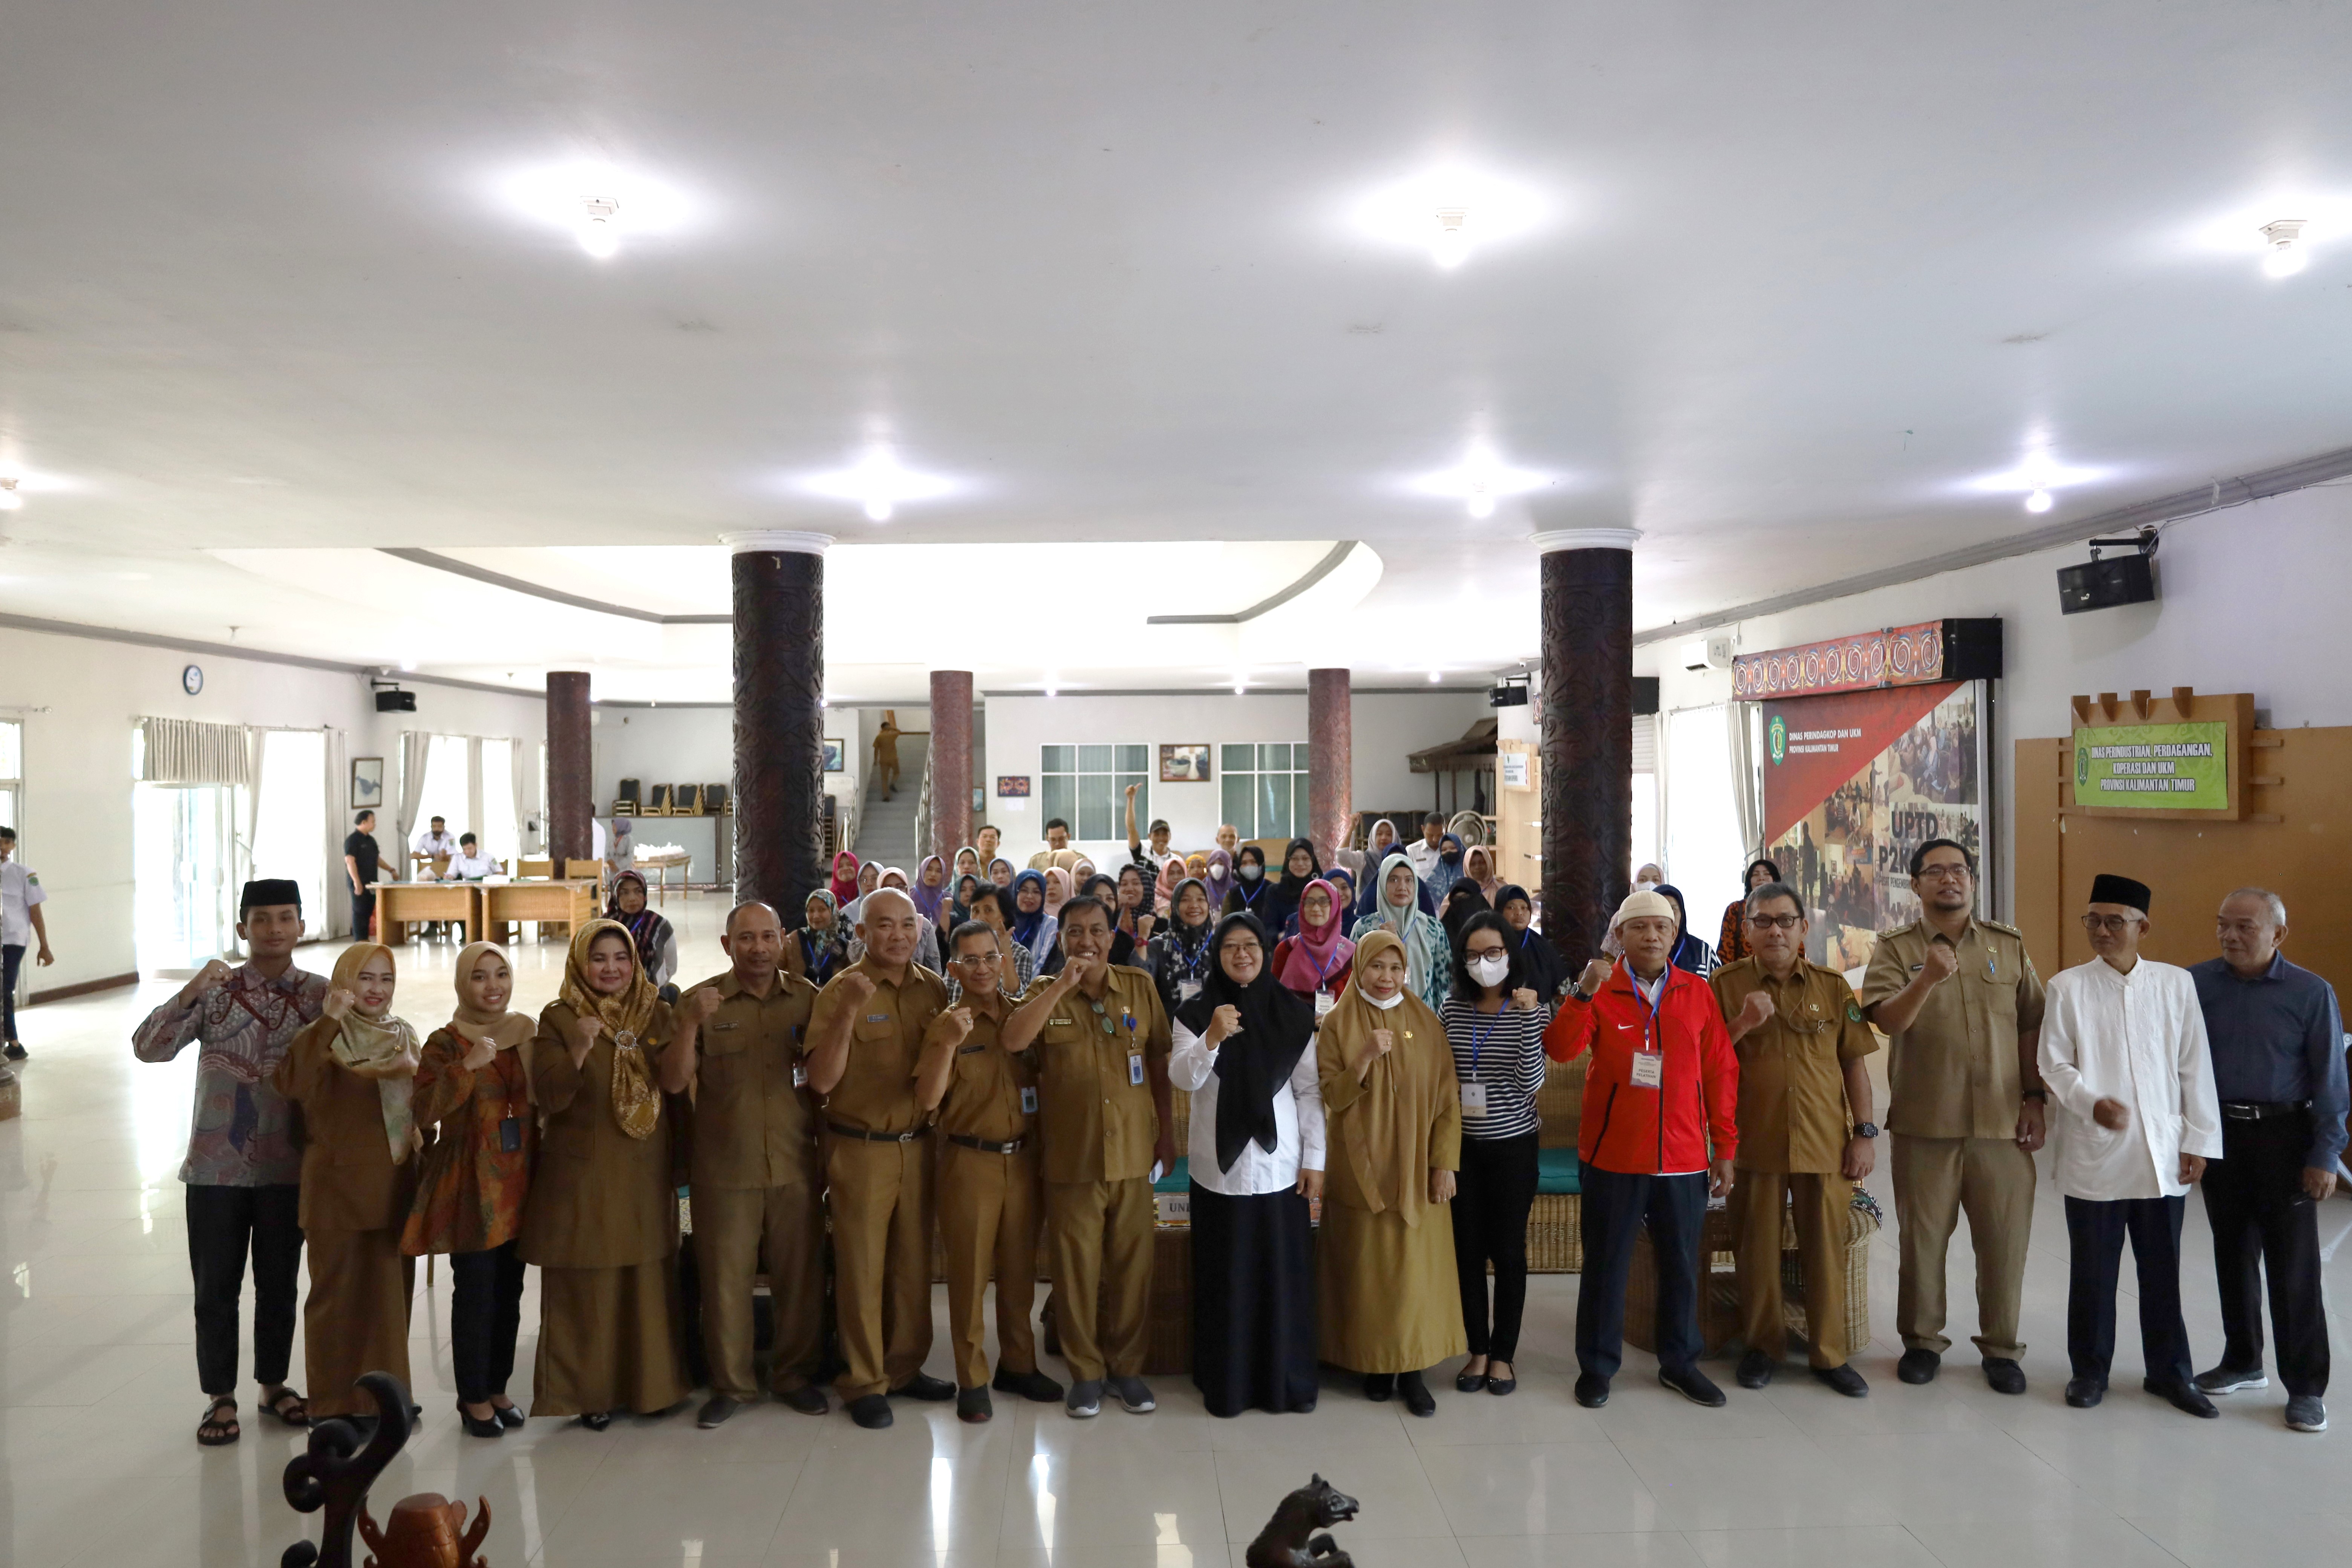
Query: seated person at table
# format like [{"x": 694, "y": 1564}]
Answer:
[{"x": 469, "y": 863}]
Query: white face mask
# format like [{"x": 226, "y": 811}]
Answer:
[
  {"x": 1384, "y": 1003},
  {"x": 1490, "y": 969},
  {"x": 1251, "y": 871},
  {"x": 1644, "y": 886}
]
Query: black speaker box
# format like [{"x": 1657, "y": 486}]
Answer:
[
  {"x": 2104, "y": 584},
  {"x": 395, "y": 702}
]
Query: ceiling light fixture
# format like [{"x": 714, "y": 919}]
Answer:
[
  {"x": 2037, "y": 475},
  {"x": 600, "y": 236},
  {"x": 600, "y": 206},
  {"x": 2286, "y": 253},
  {"x": 2039, "y": 501},
  {"x": 9, "y": 499},
  {"x": 878, "y": 482},
  {"x": 1480, "y": 480},
  {"x": 1441, "y": 213},
  {"x": 1434, "y": 678},
  {"x": 1452, "y": 245}
]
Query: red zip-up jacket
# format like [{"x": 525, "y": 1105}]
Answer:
[{"x": 1650, "y": 1131}]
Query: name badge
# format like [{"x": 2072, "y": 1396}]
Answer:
[
  {"x": 1324, "y": 1002},
  {"x": 1028, "y": 1101},
  {"x": 1187, "y": 989},
  {"x": 1474, "y": 1099},
  {"x": 716, "y": 1027},
  {"x": 800, "y": 1074},
  {"x": 970, "y": 1050},
  {"x": 1057, "y": 1023},
  {"x": 1649, "y": 1070},
  {"x": 877, "y": 1017},
  {"x": 1135, "y": 1067},
  {"x": 511, "y": 1135}
]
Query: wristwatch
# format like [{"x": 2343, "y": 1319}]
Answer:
[
  {"x": 2042, "y": 1095},
  {"x": 1866, "y": 1128}
]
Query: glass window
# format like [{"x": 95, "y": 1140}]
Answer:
[
  {"x": 448, "y": 789},
  {"x": 500, "y": 837},
  {"x": 1264, "y": 793},
  {"x": 11, "y": 768},
  {"x": 1057, "y": 760},
  {"x": 289, "y": 832},
  {"x": 1086, "y": 786}
]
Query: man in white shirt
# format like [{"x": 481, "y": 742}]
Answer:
[
  {"x": 1424, "y": 851},
  {"x": 435, "y": 843},
  {"x": 20, "y": 924},
  {"x": 470, "y": 865},
  {"x": 2133, "y": 1119}
]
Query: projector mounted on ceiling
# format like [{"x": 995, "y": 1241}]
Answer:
[{"x": 2100, "y": 585}]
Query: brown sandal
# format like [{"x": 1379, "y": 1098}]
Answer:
[
  {"x": 214, "y": 1432},
  {"x": 299, "y": 1416}
]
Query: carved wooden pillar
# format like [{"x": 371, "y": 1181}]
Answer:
[
  {"x": 1587, "y": 732},
  {"x": 570, "y": 769},
  {"x": 778, "y": 716},
  {"x": 1330, "y": 760},
  {"x": 951, "y": 764}
]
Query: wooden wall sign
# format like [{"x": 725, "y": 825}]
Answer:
[
  {"x": 1921, "y": 655},
  {"x": 2182, "y": 757}
]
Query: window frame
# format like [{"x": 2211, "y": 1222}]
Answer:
[
  {"x": 1296, "y": 769},
  {"x": 1062, "y": 793}
]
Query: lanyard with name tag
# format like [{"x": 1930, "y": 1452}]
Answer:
[
  {"x": 1650, "y": 1060},
  {"x": 1474, "y": 1093},
  {"x": 1324, "y": 1002},
  {"x": 1187, "y": 989},
  {"x": 1028, "y": 1100},
  {"x": 511, "y": 1135}
]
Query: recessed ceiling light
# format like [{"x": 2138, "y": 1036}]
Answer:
[
  {"x": 1446, "y": 212},
  {"x": 878, "y": 482},
  {"x": 2287, "y": 254},
  {"x": 9, "y": 499},
  {"x": 2037, "y": 476},
  {"x": 601, "y": 206},
  {"x": 1434, "y": 678},
  {"x": 1480, "y": 479}
]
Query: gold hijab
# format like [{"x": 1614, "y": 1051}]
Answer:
[
  {"x": 382, "y": 1048},
  {"x": 1388, "y": 1131},
  {"x": 637, "y": 1103},
  {"x": 505, "y": 1030}
]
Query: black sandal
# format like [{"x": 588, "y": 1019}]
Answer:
[
  {"x": 214, "y": 1432},
  {"x": 275, "y": 1404}
]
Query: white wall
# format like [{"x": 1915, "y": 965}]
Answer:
[
  {"x": 80, "y": 698},
  {"x": 1387, "y": 729},
  {"x": 2251, "y": 599}
]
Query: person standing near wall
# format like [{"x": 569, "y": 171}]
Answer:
[
  {"x": 886, "y": 753},
  {"x": 20, "y": 918},
  {"x": 361, "y": 860}
]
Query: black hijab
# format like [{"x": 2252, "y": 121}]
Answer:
[
  {"x": 1463, "y": 899},
  {"x": 1290, "y": 885},
  {"x": 1277, "y": 1027},
  {"x": 1546, "y": 970}
]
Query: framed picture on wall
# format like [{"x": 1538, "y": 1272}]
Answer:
[
  {"x": 834, "y": 756},
  {"x": 1184, "y": 763},
  {"x": 367, "y": 782}
]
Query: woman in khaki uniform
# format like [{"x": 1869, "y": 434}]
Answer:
[
  {"x": 601, "y": 1221},
  {"x": 351, "y": 1071},
  {"x": 1387, "y": 1296}
]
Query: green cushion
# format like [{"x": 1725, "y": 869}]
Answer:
[{"x": 1556, "y": 1172}]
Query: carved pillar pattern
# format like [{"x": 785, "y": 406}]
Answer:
[
  {"x": 1330, "y": 759},
  {"x": 951, "y": 764},
  {"x": 779, "y": 716},
  {"x": 571, "y": 768},
  {"x": 1588, "y": 733}
]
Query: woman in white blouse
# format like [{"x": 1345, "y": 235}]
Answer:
[{"x": 1244, "y": 1050}]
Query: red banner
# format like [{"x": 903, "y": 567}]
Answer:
[
  {"x": 1812, "y": 746},
  {"x": 1893, "y": 656}
]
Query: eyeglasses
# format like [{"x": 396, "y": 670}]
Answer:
[
  {"x": 1775, "y": 922},
  {"x": 2107, "y": 923},
  {"x": 1947, "y": 870}
]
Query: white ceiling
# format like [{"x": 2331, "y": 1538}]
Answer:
[{"x": 1797, "y": 277}]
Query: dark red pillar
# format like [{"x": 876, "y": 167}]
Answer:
[
  {"x": 779, "y": 716},
  {"x": 950, "y": 762},
  {"x": 1330, "y": 759},
  {"x": 1587, "y": 732},
  {"x": 570, "y": 769}
]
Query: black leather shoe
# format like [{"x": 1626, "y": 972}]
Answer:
[
  {"x": 1756, "y": 1369},
  {"x": 1844, "y": 1379},
  {"x": 871, "y": 1411},
  {"x": 1380, "y": 1387},
  {"x": 2083, "y": 1393},
  {"x": 1415, "y": 1392},
  {"x": 491, "y": 1427},
  {"x": 1469, "y": 1382},
  {"x": 1919, "y": 1366},
  {"x": 716, "y": 1412},
  {"x": 509, "y": 1417},
  {"x": 808, "y": 1399},
  {"x": 2003, "y": 1376},
  {"x": 923, "y": 1386},
  {"x": 1592, "y": 1391},
  {"x": 597, "y": 1420},
  {"x": 2183, "y": 1395},
  {"x": 973, "y": 1404},
  {"x": 1033, "y": 1385},
  {"x": 1692, "y": 1385}
]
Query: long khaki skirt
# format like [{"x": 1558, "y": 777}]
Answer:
[
  {"x": 355, "y": 1319},
  {"x": 608, "y": 1340},
  {"x": 1386, "y": 1297}
]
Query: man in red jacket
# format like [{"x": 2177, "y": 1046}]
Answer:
[{"x": 1657, "y": 1141}]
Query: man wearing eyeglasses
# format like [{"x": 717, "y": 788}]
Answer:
[
  {"x": 2131, "y": 1076},
  {"x": 1960, "y": 1006},
  {"x": 1805, "y": 1134}
]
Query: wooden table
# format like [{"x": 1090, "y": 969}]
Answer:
[
  {"x": 567, "y": 904},
  {"x": 399, "y": 905},
  {"x": 661, "y": 866}
]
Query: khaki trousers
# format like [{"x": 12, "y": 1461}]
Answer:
[
  {"x": 1820, "y": 1211},
  {"x": 988, "y": 1219},
  {"x": 729, "y": 1229},
  {"x": 881, "y": 1198},
  {"x": 356, "y": 1317},
  {"x": 1098, "y": 1237},
  {"x": 1935, "y": 1180}
]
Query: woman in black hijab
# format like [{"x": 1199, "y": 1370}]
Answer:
[
  {"x": 1245, "y": 1052},
  {"x": 1463, "y": 899},
  {"x": 1300, "y": 866},
  {"x": 1546, "y": 970}
]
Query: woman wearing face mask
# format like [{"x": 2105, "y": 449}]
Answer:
[
  {"x": 1216, "y": 873},
  {"x": 1316, "y": 962},
  {"x": 1495, "y": 1023},
  {"x": 821, "y": 945},
  {"x": 1691, "y": 955},
  {"x": 1178, "y": 955},
  {"x": 1388, "y": 1304},
  {"x": 1244, "y": 1050},
  {"x": 1398, "y": 913},
  {"x": 1732, "y": 945},
  {"x": 1447, "y": 868},
  {"x": 1546, "y": 971},
  {"x": 1033, "y": 927},
  {"x": 656, "y": 943},
  {"x": 1253, "y": 895},
  {"x": 352, "y": 1071},
  {"x": 473, "y": 1082},
  {"x": 601, "y": 1219}
]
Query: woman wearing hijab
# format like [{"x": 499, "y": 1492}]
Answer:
[
  {"x": 1243, "y": 1050},
  {"x": 930, "y": 889},
  {"x": 1343, "y": 882},
  {"x": 1178, "y": 954},
  {"x": 1216, "y": 873},
  {"x": 1253, "y": 893},
  {"x": 1059, "y": 889},
  {"x": 844, "y": 879},
  {"x": 821, "y": 945},
  {"x": 1429, "y": 974},
  {"x": 1122, "y": 943},
  {"x": 1545, "y": 970},
  {"x": 870, "y": 877},
  {"x": 1447, "y": 870},
  {"x": 1380, "y": 841},
  {"x": 967, "y": 863},
  {"x": 352, "y": 1071},
  {"x": 656, "y": 943},
  {"x": 1136, "y": 902},
  {"x": 1172, "y": 877},
  {"x": 1732, "y": 945},
  {"x": 1462, "y": 900},
  {"x": 999, "y": 871},
  {"x": 1316, "y": 962},
  {"x": 1033, "y": 927},
  {"x": 473, "y": 1082},
  {"x": 1388, "y": 1303},
  {"x": 1478, "y": 866},
  {"x": 967, "y": 892},
  {"x": 601, "y": 1219},
  {"x": 1300, "y": 866},
  {"x": 1690, "y": 955},
  {"x": 1368, "y": 899}
]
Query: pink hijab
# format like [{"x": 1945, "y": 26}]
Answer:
[
  {"x": 1058, "y": 890},
  {"x": 1319, "y": 951}
]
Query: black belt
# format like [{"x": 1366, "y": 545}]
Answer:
[
  {"x": 839, "y": 1131},
  {"x": 2261, "y": 1109},
  {"x": 985, "y": 1146}
]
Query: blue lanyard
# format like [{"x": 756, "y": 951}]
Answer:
[{"x": 1480, "y": 1037}]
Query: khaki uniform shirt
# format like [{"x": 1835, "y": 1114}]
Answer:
[
  {"x": 599, "y": 1198},
  {"x": 1953, "y": 1073},
  {"x": 987, "y": 1087},
  {"x": 752, "y": 1128},
  {"x": 1097, "y": 1117},
  {"x": 876, "y": 1092},
  {"x": 350, "y": 1181},
  {"x": 1794, "y": 1115}
]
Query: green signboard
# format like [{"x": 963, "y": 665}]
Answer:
[{"x": 2154, "y": 767}]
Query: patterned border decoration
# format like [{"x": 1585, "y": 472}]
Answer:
[{"x": 1894, "y": 656}]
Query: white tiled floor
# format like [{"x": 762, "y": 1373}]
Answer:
[{"x": 98, "y": 1462}]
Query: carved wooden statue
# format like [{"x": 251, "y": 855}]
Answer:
[
  {"x": 335, "y": 1475},
  {"x": 423, "y": 1533},
  {"x": 1287, "y": 1541}
]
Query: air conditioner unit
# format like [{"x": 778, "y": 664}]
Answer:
[{"x": 1707, "y": 653}]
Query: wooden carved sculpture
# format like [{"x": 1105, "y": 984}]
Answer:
[
  {"x": 1288, "y": 1541},
  {"x": 335, "y": 1475},
  {"x": 423, "y": 1533}
]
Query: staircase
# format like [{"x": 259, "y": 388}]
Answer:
[{"x": 886, "y": 829}]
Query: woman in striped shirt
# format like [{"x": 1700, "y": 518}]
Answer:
[{"x": 1494, "y": 1022}]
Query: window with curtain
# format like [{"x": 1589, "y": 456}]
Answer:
[
  {"x": 1705, "y": 854},
  {"x": 1262, "y": 789},
  {"x": 289, "y": 830},
  {"x": 184, "y": 871},
  {"x": 1646, "y": 790},
  {"x": 12, "y": 770},
  {"x": 1086, "y": 787},
  {"x": 447, "y": 787},
  {"x": 501, "y": 835}
]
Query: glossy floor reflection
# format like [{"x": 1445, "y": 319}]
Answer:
[{"x": 98, "y": 1462}]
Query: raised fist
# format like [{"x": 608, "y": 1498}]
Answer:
[
  {"x": 855, "y": 987},
  {"x": 1943, "y": 962},
  {"x": 1224, "y": 1023},
  {"x": 339, "y": 1003},
  {"x": 1596, "y": 974},
  {"x": 1756, "y": 1012}
]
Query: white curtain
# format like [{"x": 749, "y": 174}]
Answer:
[
  {"x": 1747, "y": 785},
  {"x": 248, "y": 848},
  {"x": 415, "y": 751},
  {"x": 1704, "y": 856},
  {"x": 474, "y": 784},
  {"x": 185, "y": 752},
  {"x": 521, "y": 757},
  {"x": 338, "y": 908}
]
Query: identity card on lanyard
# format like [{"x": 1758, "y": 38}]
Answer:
[
  {"x": 1650, "y": 1055},
  {"x": 1474, "y": 1093}
]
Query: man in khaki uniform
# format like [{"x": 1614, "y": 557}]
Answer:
[
  {"x": 986, "y": 1099},
  {"x": 1805, "y": 1133},
  {"x": 754, "y": 1166},
  {"x": 1103, "y": 1106},
  {"x": 869, "y": 1025},
  {"x": 1960, "y": 1003}
]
